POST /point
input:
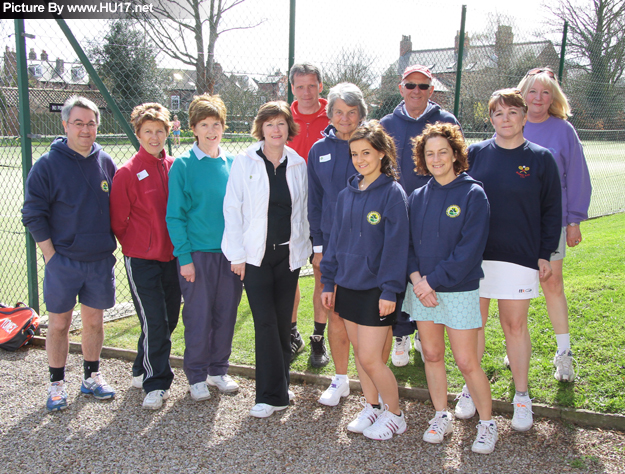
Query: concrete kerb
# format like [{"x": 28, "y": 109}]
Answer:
[{"x": 570, "y": 415}]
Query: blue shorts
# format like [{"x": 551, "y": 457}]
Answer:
[
  {"x": 93, "y": 282},
  {"x": 459, "y": 310},
  {"x": 176, "y": 133}
]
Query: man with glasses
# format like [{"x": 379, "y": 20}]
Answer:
[
  {"x": 408, "y": 121},
  {"x": 66, "y": 209}
]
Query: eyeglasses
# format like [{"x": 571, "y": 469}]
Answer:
[
  {"x": 411, "y": 85},
  {"x": 80, "y": 125},
  {"x": 549, "y": 72}
]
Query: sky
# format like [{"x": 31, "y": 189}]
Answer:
[{"x": 323, "y": 29}]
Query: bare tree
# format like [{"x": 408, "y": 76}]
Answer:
[
  {"x": 179, "y": 28},
  {"x": 597, "y": 43},
  {"x": 355, "y": 66}
]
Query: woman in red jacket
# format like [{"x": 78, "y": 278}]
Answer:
[{"x": 138, "y": 206}]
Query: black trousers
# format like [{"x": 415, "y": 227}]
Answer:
[
  {"x": 156, "y": 296},
  {"x": 270, "y": 291}
]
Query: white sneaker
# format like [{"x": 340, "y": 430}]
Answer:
[
  {"x": 365, "y": 418},
  {"x": 465, "y": 408},
  {"x": 564, "y": 367},
  {"x": 439, "y": 427},
  {"x": 386, "y": 425},
  {"x": 401, "y": 351},
  {"x": 262, "y": 410},
  {"x": 199, "y": 391},
  {"x": 486, "y": 438},
  {"x": 154, "y": 399},
  {"x": 332, "y": 396},
  {"x": 224, "y": 383},
  {"x": 137, "y": 382},
  {"x": 522, "y": 419},
  {"x": 417, "y": 345}
]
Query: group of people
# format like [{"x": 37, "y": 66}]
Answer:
[{"x": 406, "y": 228}]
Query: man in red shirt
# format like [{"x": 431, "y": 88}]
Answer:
[{"x": 309, "y": 112}]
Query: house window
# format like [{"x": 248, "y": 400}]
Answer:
[
  {"x": 77, "y": 73},
  {"x": 35, "y": 70},
  {"x": 175, "y": 102}
]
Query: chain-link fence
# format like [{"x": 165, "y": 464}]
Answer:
[{"x": 245, "y": 60}]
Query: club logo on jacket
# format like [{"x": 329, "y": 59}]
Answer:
[
  {"x": 374, "y": 218},
  {"x": 523, "y": 171},
  {"x": 105, "y": 186},
  {"x": 453, "y": 211}
]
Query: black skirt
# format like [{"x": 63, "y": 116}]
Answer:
[{"x": 362, "y": 307}]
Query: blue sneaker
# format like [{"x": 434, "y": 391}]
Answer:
[
  {"x": 97, "y": 386},
  {"x": 57, "y": 396}
]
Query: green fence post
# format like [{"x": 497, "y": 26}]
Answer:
[
  {"x": 169, "y": 146},
  {"x": 27, "y": 156},
  {"x": 460, "y": 54},
  {"x": 563, "y": 51},
  {"x": 291, "y": 48},
  {"x": 98, "y": 82}
]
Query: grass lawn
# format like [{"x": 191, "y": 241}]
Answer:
[{"x": 595, "y": 285}]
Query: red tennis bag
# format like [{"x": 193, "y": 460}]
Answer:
[{"x": 17, "y": 326}]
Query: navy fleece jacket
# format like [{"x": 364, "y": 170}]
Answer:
[
  {"x": 369, "y": 241},
  {"x": 403, "y": 128},
  {"x": 523, "y": 189},
  {"x": 67, "y": 200},
  {"x": 329, "y": 167},
  {"x": 448, "y": 232}
]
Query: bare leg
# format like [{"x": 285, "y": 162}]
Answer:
[
  {"x": 513, "y": 317},
  {"x": 463, "y": 345},
  {"x": 553, "y": 289},
  {"x": 92, "y": 332},
  {"x": 368, "y": 387},
  {"x": 371, "y": 341},
  {"x": 298, "y": 296},
  {"x": 339, "y": 343},
  {"x": 433, "y": 343},
  {"x": 57, "y": 338},
  {"x": 321, "y": 314},
  {"x": 481, "y": 337},
  {"x": 388, "y": 347}
]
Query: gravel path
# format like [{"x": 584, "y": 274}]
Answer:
[{"x": 219, "y": 436}]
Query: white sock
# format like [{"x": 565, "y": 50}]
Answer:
[
  {"x": 564, "y": 343},
  {"x": 341, "y": 377},
  {"x": 487, "y": 422},
  {"x": 439, "y": 414}
]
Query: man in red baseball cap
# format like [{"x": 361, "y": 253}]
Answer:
[{"x": 407, "y": 121}]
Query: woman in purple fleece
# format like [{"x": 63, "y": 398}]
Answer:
[{"x": 547, "y": 126}]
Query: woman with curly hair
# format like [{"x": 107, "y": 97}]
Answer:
[
  {"x": 366, "y": 259},
  {"x": 448, "y": 232}
]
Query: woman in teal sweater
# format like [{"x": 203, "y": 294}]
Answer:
[{"x": 195, "y": 220}]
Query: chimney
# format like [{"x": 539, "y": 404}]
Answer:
[
  {"x": 60, "y": 66},
  {"x": 405, "y": 45},
  {"x": 44, "y": 55},
  {"x": 32, "y": 54},
  {"x": 504, "y": 37},
  {"x": 10, "y": 65}
]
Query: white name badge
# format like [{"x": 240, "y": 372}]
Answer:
[
  {"x": 142, "y": 175},
  {"x": 324, "y": 158}
]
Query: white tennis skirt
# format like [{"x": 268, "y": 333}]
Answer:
[{"x": 508, "y": 281}]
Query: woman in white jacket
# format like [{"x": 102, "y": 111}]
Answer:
[{"x": 266, "y": 240}]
